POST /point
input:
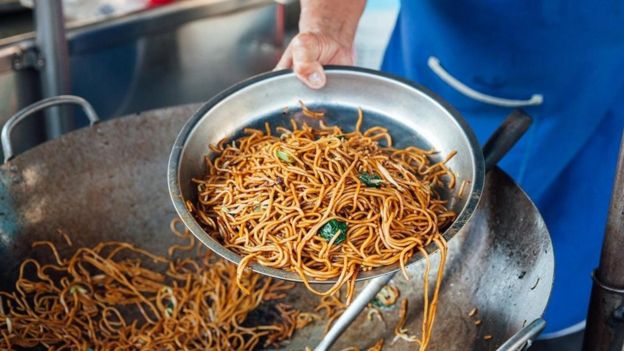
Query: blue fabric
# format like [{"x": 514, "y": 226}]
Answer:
[{"x": 572, "y": 52}]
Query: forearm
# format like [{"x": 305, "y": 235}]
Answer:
[{"x": 339, "y": 17}]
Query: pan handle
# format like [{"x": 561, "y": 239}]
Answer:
[
  {"x": 503, "y": 139},
  {"x": 5, "y": 137},
  {"x": 523, "y": 339}
]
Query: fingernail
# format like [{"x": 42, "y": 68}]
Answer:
[{"x": 316, "y": 80}]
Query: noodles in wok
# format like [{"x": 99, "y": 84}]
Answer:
[{"x": 116, "y": 296}]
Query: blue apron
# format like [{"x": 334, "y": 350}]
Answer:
[{"x": 571, "y": 54}]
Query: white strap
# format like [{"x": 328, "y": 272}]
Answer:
[
  {"x": 434, "y": 64},
  {"x": 563, "y": 332}
]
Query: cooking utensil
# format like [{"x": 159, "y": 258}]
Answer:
[
  {"x": 7, "y": 148},
  {"x": 107, "y": 182},
  {"x": 413, "y": 115}
]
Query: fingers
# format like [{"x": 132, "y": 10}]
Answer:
[
  {"x": 286, "y": 59},
  {"x": 306, "y": 52}
]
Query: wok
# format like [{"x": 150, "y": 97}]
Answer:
[{"x": 108, "y": 182}]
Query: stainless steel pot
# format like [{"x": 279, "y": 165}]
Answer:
[{"x": 413, "y": 114}]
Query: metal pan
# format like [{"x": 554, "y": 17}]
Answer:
[
  {"x": 413, "y": 115},
  {"x": 108, "y": 182}
]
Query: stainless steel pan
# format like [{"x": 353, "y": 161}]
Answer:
[
  {"x": 413, "y": 114},
  {"x": 108, "y": 182}
]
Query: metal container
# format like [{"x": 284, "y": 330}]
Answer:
[
  {"x": 180, "y": 53},
  {"x": 413, "y": 115},
  {"x": 108, "y": 182}
]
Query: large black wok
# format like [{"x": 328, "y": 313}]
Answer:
[{"x": 108, "y": 182}]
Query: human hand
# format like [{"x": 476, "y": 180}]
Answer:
[
  {"x": 326, "y": 33},
  {"x": 308, "y": 52}
]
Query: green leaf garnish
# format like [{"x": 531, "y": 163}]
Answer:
[
  {"x": 169, "y": 308},
  {"x": 261, "y": 207},
  {"x": 334, "y": 228},
  {"x": 386, "y": 297},
  {"x": 77, "y": 289},
  {"x": 375, "y": 302},
  {"x": 370, "y": 180},
  {"x": 284, "y": 156}
]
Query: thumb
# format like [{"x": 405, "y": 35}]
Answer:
[{"x": 306, "y": 53}]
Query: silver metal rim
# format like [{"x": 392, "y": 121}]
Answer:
[{"x": 195, "y": 228}]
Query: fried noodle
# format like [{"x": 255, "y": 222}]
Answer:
[
  {"x": 117, "y": 296},
  {"x": 266, "y": 196}
]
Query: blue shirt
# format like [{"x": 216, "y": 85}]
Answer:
[{"x": 571, "y": 53}]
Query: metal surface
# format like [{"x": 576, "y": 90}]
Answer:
[
  {"x": 18, "y": 89},
  {"x": 200, "y": 9},
  {"x": 180, "y": 53},
  {"x": 27, "y": 59},
  {"x": 525, "y": 337},
  {"x": 54, "y": 73},
  {"x": 413, "y": 115},
  {"x": 501, "y": 263},
  {"x": 358, "y": 304},
  {"x": 7, "y": 148},
  {"x": 503, "y": 139},
  {"x": 15, "y": 19},
  {"x": 10, "y": 6},
  {"x": 604, "y": 286},
  {"x": 605, "y": 318}
]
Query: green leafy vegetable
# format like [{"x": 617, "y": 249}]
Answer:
[
  {"x": 77, "y": 289},
  {"x": 170, "y": 303},
  {"x": 375, "y": 302},
  {"x": 227, "y": 210},
  {"x": 386, "y": 297},
  {"x": 334, "y": 228},
  {"x": 284, "y": 156},
  {"x": 261, "y": 206},
  {"x": 169, "y": 308},
  {"x": 370, "y": 180}
]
